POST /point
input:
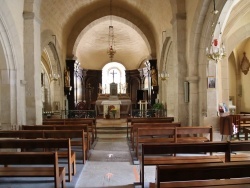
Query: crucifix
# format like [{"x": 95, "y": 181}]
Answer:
[{"x": 113, "y": 75}]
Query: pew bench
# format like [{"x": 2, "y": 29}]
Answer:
[
  {"x": 91, "y": 122},
  {"x": 29, "y": 162},
  {"x": 77, "y": 137},
  {"x": 241, "y": 148},
  {"x": 203, "y": 175},
  {"x": 154, "y": 135},
  {"x": 162, "y": 154},
  {"x": 222, "y": 183},
  {"x": 44, "y": 145},
  {"x": 149, "y": 125},
  {"x": 244, "y": 122},
  {"x": 134, "y": 120},
  {"x": 194, "y": 134},
  {"x": 62, "y": 127},
  {"x": 181, "y": 134}
]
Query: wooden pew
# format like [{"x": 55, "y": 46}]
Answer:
[
  {"x": 31, "y": 144},
  {"x": 194, "y": 134},
  {"x": 241, "y": 148},
  {"x": 72, "y": 134},
  {"x": 62, "y": 127},
  {"x": 29, "y": 134},
  {"x": 89, "y": 122},
  {"x": 181, "y": 134},
  {"x": 244, "y": 122},
  {"x": 162, "y": 154},
  {"x": 133, "y": 120},
  {"x": 221, "y": 183},
  {"x": 27, "y": 160},
  {"x": 246, "y": 131},
  {"x": 154, "y": 135},
  {"x": 216, "y": 175},
  {"x": 79, "y": 135},
  {"x": 149, "y": 125}
]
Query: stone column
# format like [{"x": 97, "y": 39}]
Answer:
[
  {"x": 32, "y": 68},
  {"x": 180, "y": 67},
  {"x": 193, "y": 106}
]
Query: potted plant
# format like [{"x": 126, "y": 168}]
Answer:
[{"x": 158, "y": 108}]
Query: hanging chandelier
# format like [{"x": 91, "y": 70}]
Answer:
[
  {"x": 216, "y": 51},
  {"x": 111, "y": 48}
]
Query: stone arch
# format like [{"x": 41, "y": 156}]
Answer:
[
  {"x": 207, "y": 111},
  {"x": 118, "y": 14},
  {"x": 11, "y": 73},
  {"x": 51, "y": 65},
  {"x": 239, "y": 35},
  {"x": 167, "y": 94}
]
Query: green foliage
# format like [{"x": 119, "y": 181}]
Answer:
[{"x": 158, "y": 106}]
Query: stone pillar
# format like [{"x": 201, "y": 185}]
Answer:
[
  {"x": 32, "y": 68},
  {"x": 193, "y": 106},
  {"x": 180, "y": 67}
]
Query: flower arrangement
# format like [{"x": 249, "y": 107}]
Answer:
[{"x": 112, "y": 109}]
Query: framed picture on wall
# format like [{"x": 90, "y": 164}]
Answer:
[{"x": 211, "y": 82}]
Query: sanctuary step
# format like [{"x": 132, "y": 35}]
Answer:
[{"x": 111, "y": 130}]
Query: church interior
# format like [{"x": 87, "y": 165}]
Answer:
[{"x": 115, "y": 60}]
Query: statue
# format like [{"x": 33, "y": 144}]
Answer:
[
  {"x": 100, "y": 88},
  {"x": 67, "y": 77},
  {"x": 245, "y": 65},
  {"x": 154, "y": 76}
]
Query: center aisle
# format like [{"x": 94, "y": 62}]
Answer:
[{"x": 110, "y": 163}]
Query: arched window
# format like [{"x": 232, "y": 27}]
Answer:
[{"x": 113, "y": 72}]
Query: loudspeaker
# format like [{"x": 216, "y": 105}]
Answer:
[{"x": 186, "y": 91}]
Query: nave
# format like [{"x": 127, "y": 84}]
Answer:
[{"x": 109, "y": 165}]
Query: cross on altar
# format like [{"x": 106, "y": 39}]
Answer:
[{"x": 113, "y": 75}]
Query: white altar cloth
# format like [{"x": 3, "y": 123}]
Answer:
[{"x": 116, "y": 104}]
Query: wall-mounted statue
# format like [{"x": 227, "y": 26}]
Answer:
[
  {"x": 67, "y": 77},
  {"x": 154, "y": 76},
  {"x": 245, "y": 65}
]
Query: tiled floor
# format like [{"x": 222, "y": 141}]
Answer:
[{"x": 110, "y": 163}]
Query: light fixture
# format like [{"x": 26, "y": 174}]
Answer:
[
  {"x": 217, "y": 50},
  {"x": 164, "y": 75},
  {"x": 54, "y": 76},
  {"x": 111, "y": 48}
]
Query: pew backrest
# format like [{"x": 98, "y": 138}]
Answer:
[
  {"x": 43, "y": 144},
  {"x": 206, "y": 171},
  {"x": 32, "y": 158},
  {"x": 154, "y": 135},
  {"x": 152, "y": 120},
  {"x": 193, "y": 132}
]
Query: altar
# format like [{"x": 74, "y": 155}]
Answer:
[
  {"x": 121, "y": 103},
  {"x": 103, "y": 101},
  {"x": 108, "y": 103}
]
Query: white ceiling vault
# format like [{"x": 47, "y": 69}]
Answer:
[{"x": 83, "y": 25}]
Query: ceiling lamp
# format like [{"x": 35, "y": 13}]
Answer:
[
  {"x": 216, "y": 52},
  {"x": 164, "y": 75},
  {"x": 111, "y": 48},
  {"x": 54, "y": 76}
]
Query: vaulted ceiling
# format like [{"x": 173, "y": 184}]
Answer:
[{"x": 83, "y": 27}]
